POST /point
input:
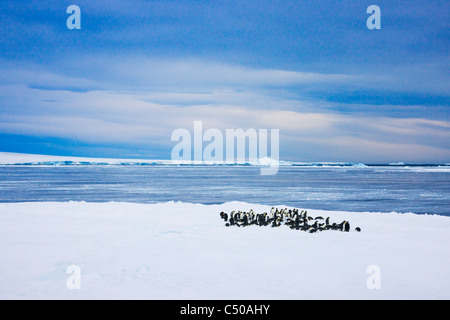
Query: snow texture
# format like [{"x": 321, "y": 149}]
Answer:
[{"x": 178, "y": 250}]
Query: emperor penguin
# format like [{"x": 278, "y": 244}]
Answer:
[
  {"x": 245, "y": 220},
  {"x": 297, "y": 222},
  {"x": 224, "y": 216},
  {"x": 346, "y": 226},
  {"x": 315, "y": 225},
  {"x": 275, "y": 223},
  {"x": 305, "y": 216}
]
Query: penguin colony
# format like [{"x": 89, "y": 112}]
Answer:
[{"x": 292, "y": 218}]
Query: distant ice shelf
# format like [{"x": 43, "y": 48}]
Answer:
[{"x": 20, "y": 159}]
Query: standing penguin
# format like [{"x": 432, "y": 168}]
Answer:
[
  {"x": 297, "y": 222},
  {"x": 252, "y": 214},
  {"x": 261, "y": 219},
  {"x": 346, "y": 226},
  {"x": 327, "y": 223},
  {"x": 245, "y": 220},
  {"x": 272, "y": 211}
]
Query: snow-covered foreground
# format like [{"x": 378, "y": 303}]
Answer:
[{"x": 183, "y": 251}]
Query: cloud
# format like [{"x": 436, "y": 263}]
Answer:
[
  {"x": 139, "y": 100},
  {"x": 371, "y": 151},
  {"x": 134, "y": 118},
  {"x": 418, "y": 85}
]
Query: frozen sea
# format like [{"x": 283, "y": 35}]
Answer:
[
  {"x": 421, "y": 189},
  {"x": 151, "y": 230}
]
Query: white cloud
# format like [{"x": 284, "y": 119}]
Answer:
[
  {"x": 149, "y": 74},
  {"x": 140, "y": 101}
]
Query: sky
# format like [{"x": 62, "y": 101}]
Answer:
[{"x": 138, "y": 70}]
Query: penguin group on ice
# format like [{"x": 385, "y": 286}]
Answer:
[{"x": 289, "y": 217}]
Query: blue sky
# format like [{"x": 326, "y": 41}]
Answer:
[{"x": 137, "y": 70}]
